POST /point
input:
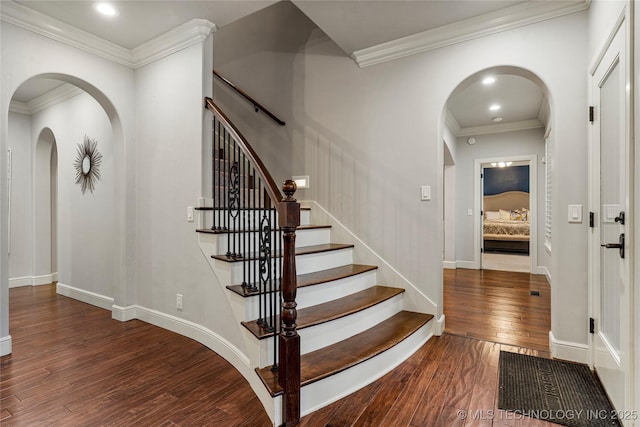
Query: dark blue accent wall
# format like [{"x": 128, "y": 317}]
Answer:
[{"x": 512, "y": 178}]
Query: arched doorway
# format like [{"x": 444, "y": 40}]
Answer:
[
  {"x": 500, "y": 119},
  {"x": 45, "y": 180}
]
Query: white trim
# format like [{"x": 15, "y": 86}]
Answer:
[
  {"x": 53, "y": 97},
  {"x": 44, "y": 279},
  {"x": 450, "y": 265},
  {"x": 190, "y": 33},
  {"x": 509, "y": 18},
  {"x": 181, "y": 37},
  {"x": 84, "y": 296},
  {"x": 19, "y": 107},
  {"x": 597, "y": 59},
  {"x": 452, "y": 123},
  {"x": 470, "y": 265},
  {"x": 533, "y": 205},
  {"x": 501, "y": 128},
  {"x": 123, "y": 314},
  {"x": 44, "y": 25},
  {"x": 567, "y": 350},
  {"x": 5, "y": 345},
  {"x": 438, "y": 325}
]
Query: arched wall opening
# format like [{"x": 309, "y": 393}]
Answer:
[
  {"x": 45, "y": 179},
  {"x": 75, "y": 238},
  {"x": 524, "y": 140}
]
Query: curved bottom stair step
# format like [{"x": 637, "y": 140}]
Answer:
[{"x": 345, "y": 354}]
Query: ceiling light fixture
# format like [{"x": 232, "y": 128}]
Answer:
[
  {"x": 497, "y": 119},
  {"x": 488, "y": 80},
  {"x": 509, "y": 163},
  {"x": 494, "y": 107},
  {"x": 494, "y": 164},
  {"x": 105, "y": 9}
]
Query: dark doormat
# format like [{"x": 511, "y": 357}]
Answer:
[{"x": 561, "y": 392}]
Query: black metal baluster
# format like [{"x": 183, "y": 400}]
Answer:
[
  {"x": 263, "y": 291},
  {"x": 274, "y": 291},
  {"x": 255, "y": 234}
]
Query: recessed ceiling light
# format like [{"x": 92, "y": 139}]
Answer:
[
  {"x": 497, "y": 119},
  {"x": 494, "y": 107},
  {"x": 106, "y": 9},
  {"x": 488, "y": 80},
  {"x": 502, "y": 164}
]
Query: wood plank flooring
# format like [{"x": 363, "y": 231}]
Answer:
[
  {"x": 74, "y": 366},
  {"x": 498, "y": 306}
]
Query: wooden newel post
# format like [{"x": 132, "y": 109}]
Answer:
[{"x": 289, "y": 359}]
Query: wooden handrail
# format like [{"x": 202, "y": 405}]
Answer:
[
  {"x": 256, "y": 104},
  {"x": 271, "y": 187}
]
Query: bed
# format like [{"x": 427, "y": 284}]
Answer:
[{"x": 506, "y": 222}]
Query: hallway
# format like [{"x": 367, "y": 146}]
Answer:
[{"x": 498, "y": 306}]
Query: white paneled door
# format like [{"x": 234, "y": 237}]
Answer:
[{"x": 610, "y": 273}]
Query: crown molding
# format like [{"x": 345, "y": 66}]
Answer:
[
  {"x": 44, "y": 101},
  {"x": 181, "y": 37},
  {"x": 452, "y": 123},
  {"x": 44, "y": 25},
  {"x": 500, "y": 128},
  {"x": 544, "y": 112},
  {"x": 19, "y": 107},
  {"x": 511, "y": 17}
]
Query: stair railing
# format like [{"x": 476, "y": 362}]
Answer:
[{"x": 260, "y": 224}]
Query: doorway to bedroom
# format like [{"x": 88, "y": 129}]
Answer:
[{"x": 506, "y": 215}]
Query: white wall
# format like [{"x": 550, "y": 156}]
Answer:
[
  {"x": 169, "y": 176},
  {"x": 112, "y": 85},
  {"x": 86, "y": 241},
  {"x": 20, "y": 143},
  {"x": 379, "y": 131},
  {"x": 257, "y": 53},
  {"x": 527, "y": 142}
]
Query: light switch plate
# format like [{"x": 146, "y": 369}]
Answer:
[
  {"x": 425, "y": 192},
  {"x": 190, "y": 213},
  {"x": 575, "y": 214}
]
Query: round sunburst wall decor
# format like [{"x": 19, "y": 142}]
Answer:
[{"x": 87, "y": 164}]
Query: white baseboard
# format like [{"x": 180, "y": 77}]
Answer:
[
  {"x": 566, "y": 350},
  {"x": 5, "y": 345},
  {"x": 451, "y": 265},
  {"x": 123, "y": 314},
  {"x": 44, "y": 279},
  {"x": 466, "y": 264},
  {"x": 438, "y": 326},
  {"x": 85, "y": 296}
]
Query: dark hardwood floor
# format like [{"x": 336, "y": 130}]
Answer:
[
  {"x": 498, "y": 306},
  {"x": 74, "y": 366}
]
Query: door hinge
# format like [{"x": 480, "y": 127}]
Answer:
[
  {"x": 481, "y": 213},
  {"x": 591, "y": 113},
  {"x": 591, "y": 219},
  {"x": 481, "y": 250},
  {"x": 481, "y": 175},
  {"x": 592, "y": 325}
]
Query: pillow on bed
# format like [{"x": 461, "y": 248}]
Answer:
[
  {"x": 505, "y": 214},
  {"x": 491, "y": 215}
]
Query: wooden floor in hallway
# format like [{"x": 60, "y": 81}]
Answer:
[{"x": 73, "y": 365}]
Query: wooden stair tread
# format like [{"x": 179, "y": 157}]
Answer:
[
  {"x": 304, "y": 250},
  {"x": 315, "y": 278},
  {"x": 331, "y": 310},
  {"x": 254, "y": 230},
  {"x": 345, "y": 354}
]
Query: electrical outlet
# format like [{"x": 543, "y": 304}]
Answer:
[{"x": 179, "y": 301}]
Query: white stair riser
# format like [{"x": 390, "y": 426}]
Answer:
[
  {"x": 317, "y": 294},
  {"x": 308, "y": 263},
  {"x": 324, "y": 392},
  {"x": 253, "y": 219},
  {"x": 325, "y": 334},
  {"x": 311, "y": 295},
  {"x": 304, "y": 237}
]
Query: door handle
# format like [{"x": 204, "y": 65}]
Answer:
[{"x": 619, "y": 245}]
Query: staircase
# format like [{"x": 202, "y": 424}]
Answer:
[{"x": 352, "y": 329}]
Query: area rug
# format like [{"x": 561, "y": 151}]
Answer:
[{"x": 561, "y": 392}]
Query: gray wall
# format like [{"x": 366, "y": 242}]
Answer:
[{"x": 527, "y": 142}]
